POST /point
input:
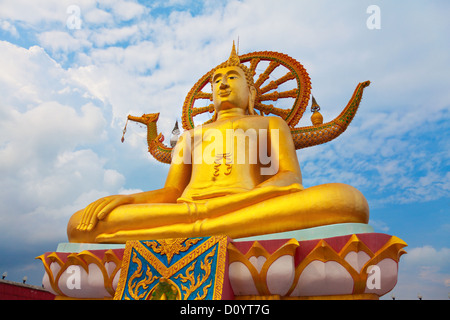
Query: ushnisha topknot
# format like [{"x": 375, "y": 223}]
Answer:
[{"x": 234, "y": 60}]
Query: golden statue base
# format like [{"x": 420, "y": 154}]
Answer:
[
  {"x": 353, "y": 266},
  {"x": 364, "y": 296}
]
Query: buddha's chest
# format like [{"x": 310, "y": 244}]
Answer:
[{"x": 229, "y": 140}]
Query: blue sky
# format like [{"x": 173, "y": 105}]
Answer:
[{"x": 66, "y": 92}]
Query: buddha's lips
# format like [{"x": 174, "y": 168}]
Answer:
[{"x": 224, "y": 93}]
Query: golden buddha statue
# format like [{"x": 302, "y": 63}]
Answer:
[{"x": 237, "y": 175}]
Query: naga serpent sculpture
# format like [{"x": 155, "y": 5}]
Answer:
[{"x": 303, "y": 137}]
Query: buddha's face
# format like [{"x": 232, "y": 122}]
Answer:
[{"x": 230, "y": 89}]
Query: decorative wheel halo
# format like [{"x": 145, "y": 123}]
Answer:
[{"x": 265, "y": 91}]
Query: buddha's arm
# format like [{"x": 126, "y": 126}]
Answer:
[
  {"x": 227, "y": 204},
  {"x": 176, "y": 181},
  {"x": 284, "y": 155}
]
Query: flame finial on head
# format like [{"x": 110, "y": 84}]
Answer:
[{"x": 234, "y": 60}]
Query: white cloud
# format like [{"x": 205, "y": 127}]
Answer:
[
  {"x": 61, "y": 42},
  {"x": 379, "y": 226},
  {"x": 425, "y": 271},
  {"x": 50, "y": 11},
  {"x": 110, "y": 36},
  {"x": 126, "y": 10},
  {"x": 428, "y": 256},
  {"x": 40, "y": 170},
  {"x": 45, "y": 158},
  {"x": 97, "y": 17},
  {"x": 34, "y": 12},
  {"x": 8, "y": 27}
]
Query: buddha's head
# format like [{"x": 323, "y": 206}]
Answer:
[{"x": 232, "y": 85}]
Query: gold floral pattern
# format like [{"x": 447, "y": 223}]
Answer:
[
  {"x": 171, "y": 247},
  {"x": 199, "y": 273}
]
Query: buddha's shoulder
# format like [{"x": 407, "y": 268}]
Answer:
[
  {"x": 254, "y": 120},
  {"x": 266, "y": 119},
  {"x": 258, "y": 121},
  {"x": 271, "y": 121}
]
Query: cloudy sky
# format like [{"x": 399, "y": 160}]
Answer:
[{"x": 71, "y": 72}]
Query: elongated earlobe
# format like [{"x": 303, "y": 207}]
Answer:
[
  {"x": 251, "y": 100},
  {"x": 214, "y": 117}
]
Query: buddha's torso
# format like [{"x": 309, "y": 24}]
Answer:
[{"x": 229, "y": 161}]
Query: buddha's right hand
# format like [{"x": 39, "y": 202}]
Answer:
[{"x": 99, "y": 209}]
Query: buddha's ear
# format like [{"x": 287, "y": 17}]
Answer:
[{"x": 251, "y": 100}]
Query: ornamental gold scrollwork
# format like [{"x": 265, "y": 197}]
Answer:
[
  {"x": 198, "y": 274},
  {"x": 135, "y": 286},
  {"x": 171, "y": 247},
  {"x": 194, "y": 284}
]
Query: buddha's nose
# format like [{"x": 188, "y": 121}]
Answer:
[{"x": 224, "y": 85}]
